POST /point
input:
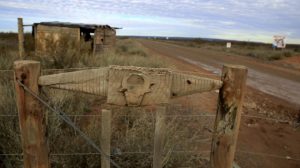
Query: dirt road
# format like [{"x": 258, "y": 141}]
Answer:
[
  {"x": 267, "y": 143},
  {"x": 268, "y": 78}
]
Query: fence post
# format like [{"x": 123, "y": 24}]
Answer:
[
  {"x": 228, "y": 116},
  {"x": 105, "y": 137},
  {"x": 31, "y": 117},
  {"x": 159, "y": 136},
  {"x": 21, "y": 38}
]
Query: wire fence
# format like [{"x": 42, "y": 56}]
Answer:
[{"x": 187, "y": 114}]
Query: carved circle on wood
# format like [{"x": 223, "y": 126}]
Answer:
[{"x": 134, "y": 87}]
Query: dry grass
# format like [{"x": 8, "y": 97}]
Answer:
[
  {"x": 133, "y": 131},
  {"x": 133, "y": 128},
  {"x": 263, "y": 53},
  {"x": 256, "y": 50},
  {"x": 9, "y": 129}
]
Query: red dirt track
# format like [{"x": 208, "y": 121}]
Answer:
[{"x": 273, "y": 92}]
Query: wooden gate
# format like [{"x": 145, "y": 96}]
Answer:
[{"x": 130, "y": 86}]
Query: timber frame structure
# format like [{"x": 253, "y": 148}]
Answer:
[{"x": 130, "y": 86}]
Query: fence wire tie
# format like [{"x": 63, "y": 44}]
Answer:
[{"x": 64, "y": 117}]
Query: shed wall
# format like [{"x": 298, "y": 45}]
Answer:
[
  {"x": 48, "y": 38},
  {"x": 104, "y": 38}
]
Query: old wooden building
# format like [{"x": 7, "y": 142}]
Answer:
[{"x": 50, "y": 35}]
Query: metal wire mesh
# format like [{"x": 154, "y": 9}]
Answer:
[{"x": 189, "y": 133}]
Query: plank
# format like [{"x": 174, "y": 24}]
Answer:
[
  {"x": 186, "y": 84},
  {"x": 93, "y": 81},
  {"x": 132, "y": 86}
]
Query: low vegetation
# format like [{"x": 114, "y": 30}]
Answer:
[
  {"x": 263, "y": 53},
  {"x": 256, "y": 50},
  {"x": 132, "y": 128}
]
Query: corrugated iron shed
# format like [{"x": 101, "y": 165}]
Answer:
[{"x": 75, "y": 25}]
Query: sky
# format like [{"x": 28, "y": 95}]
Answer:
[{"x": 247, "y": 20}]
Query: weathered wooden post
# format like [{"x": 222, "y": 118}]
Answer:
[
  {"x": 21, "y": 38},
  {"x": 228, "y": 117},
  {"x": 105, "y": 137},
  {"x": 159, "y": 136},
  {"x": 31, "y": 117}
]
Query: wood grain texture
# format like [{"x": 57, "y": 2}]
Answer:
[
  {"x": 92, "y": 81},
  {"x": 152, "y": 88},
  {"x": 105, "y": 137},
  {"x": 159, "y": 136},
  {"x": 186, "y": 84},
  {"x": 228, "y": 117},
  {"x": 132, "y": 86},
  {"x": 31, "y": 117}
]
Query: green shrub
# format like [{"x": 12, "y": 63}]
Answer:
[
  {"x": 297, "y": 49},
  {"x": 276, "y": 56}
]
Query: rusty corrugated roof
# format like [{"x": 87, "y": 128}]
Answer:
[{"x": 75, "y": 25}]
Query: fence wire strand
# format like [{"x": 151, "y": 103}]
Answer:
[{"x": 63, "y": 116}]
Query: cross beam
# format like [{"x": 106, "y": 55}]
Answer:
[{"x": 132, "y": 86}]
